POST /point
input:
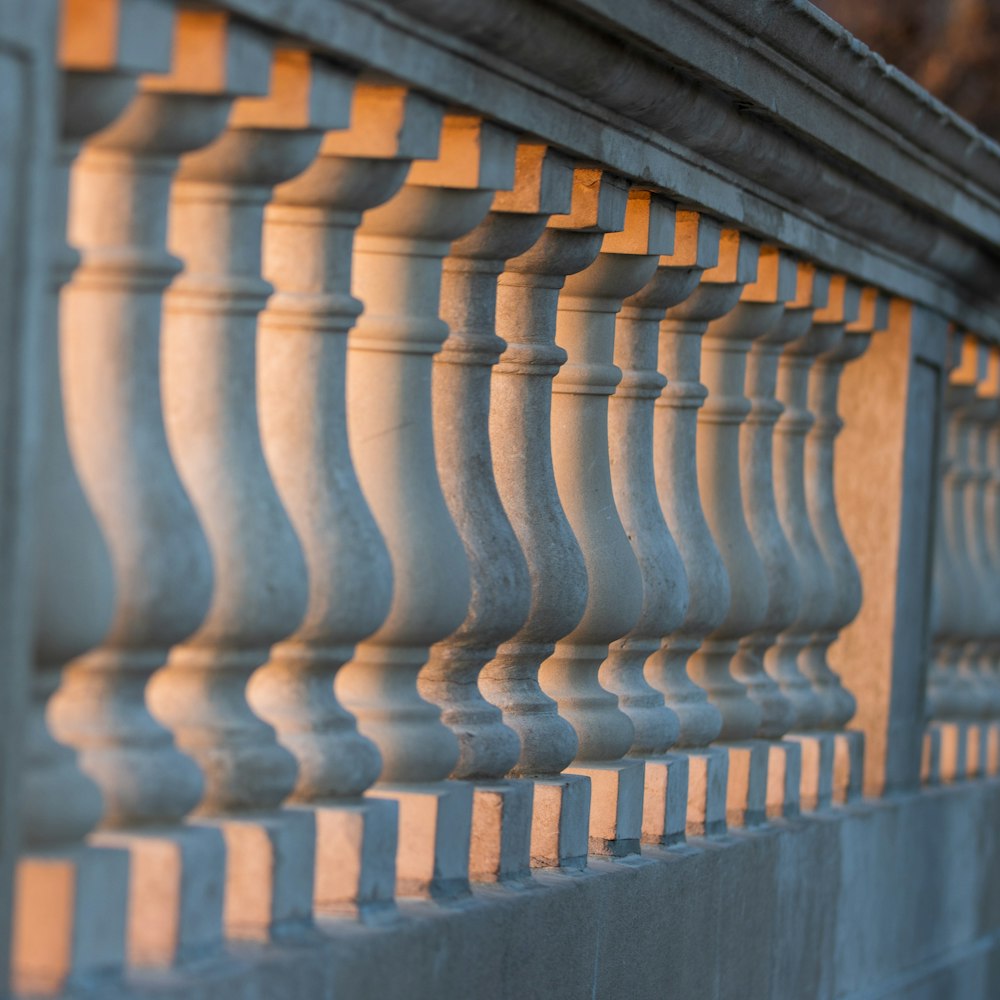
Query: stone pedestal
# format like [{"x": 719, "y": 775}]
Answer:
[{"x": 665, "y": 800}]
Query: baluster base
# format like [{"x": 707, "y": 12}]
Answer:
[
  {"x": 930, "y": 756},
  {"x": 953, "y": 740},
  {"x": 977, "y": 749},
  {"x": 816, "y": 790},
  {"x": 708, "y": 778},
  {"x": 270, "y": 861},
  {"x": 616, "y": 792},
  {"x": 848, "y": 766},
  {"x": 356, "y": 845},
  {"x": 435, "y": 830},
  {"x": 746, "y": 788},
  {"x": 501, "y": 831},
  {"x": 992, "y": 749},
  {"x": 175, "y": 894},
  {"x": 69, "y": 919},
  {"x": 784, "y": 779},
  {"x": 560, "y": 822},
  {"x": 665, "y": 800}
]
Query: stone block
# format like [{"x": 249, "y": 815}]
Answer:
[
  {"x": 665, "y": 800},
  {"x": 616, "y": 795},
  {"x": 356, "y": 846},
  {"x": 270, "y": 860},
  {"x": 69, "y": 919},
  {"x": 784, "y": 779},
  {"x": 930, "y": 758},
  {"x": 501, "y": 831},
  {"x": 560, "y": 822},
  {"x": 816, "y": 791},
  {"x": 176, "y": 893},
  {"x": 746, "y": 788},
  {"x": 954, "y": 756},
  {"x": 435, "y": 830},
  {"x": 848, "y": 766},
  {"x": 708, "y": 777}
]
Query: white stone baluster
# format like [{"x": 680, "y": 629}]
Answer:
[
  {"x": 585, "y": 328},
  {"x": 824, "y": 385},
  {"x": 778, "y": 716},
  {"x": 633, "y": 661},
  {"x": 209, "y": 400},
  {"x": 520, "y": 437},
  {"x": 302, "y": 342},
  {"x": 398, "y": 265},
  {"x": 745, "y": 702},
  {"x": 60, "y": 881},
  {"x": 816, "y": 580},
  {"x": 677, "y": 480},
  {"x": 501, "y": 585}
]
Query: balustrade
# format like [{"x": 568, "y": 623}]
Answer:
[
  {"x": 778, "y": 715},
  {"x": 425, "y": 498},
  {"x": 308, "y": 239},
  {"x": 817, "y": 583},
  {"x": 523, "y": 679},
  {"x": 678, "y": 484},
  {"x": 399, "y": 254},
  {"x": 500, "y": 581}
]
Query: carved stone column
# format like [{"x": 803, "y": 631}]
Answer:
[
  {"x": 398, "y": 265},
  {"x": 61, "y": 882},
  {"x": 585, "y": 328},
  {"x": 209, "y": 398},
  {"x": 520, "y": 436},
  {"x": 824, "y": 385},
  {"x": 747, "y": 703},
  {"x": 501, "y": 585},
  {"x": 780, "y": 564},
  {"x": 677, "y": 480},
  {"x": 665, "y": 589},
  {"x": 302, "y": 343},
  {"x": 816, "y": 581}
]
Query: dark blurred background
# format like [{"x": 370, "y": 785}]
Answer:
[{"x": 951, "y": 47}]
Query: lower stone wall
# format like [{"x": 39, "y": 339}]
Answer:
[{"x": 894, "y": 898}]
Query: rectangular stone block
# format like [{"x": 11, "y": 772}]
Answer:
[
  {"x": 356, "y": 846},
  {"x": 560, "y": 822},
  {"x": 69, "y": 919},
  {"x": 708, "y": 778},
  {"x": 816, "y": 790},
  {"x": 993, "y": 750},
  {"x": 954, "y": 741},
  {"x": 616, "y": 792},
  {"x": 848, "y": 766},
  {"x": 930, "y": 759},
  {"x": 176, "y": 893},
  {"x": 975, "y": 750},
  {"x": 501, "y": 831},
  {"x": 435, "y": 830},
  {"x": 784, "y": 779},
  {"x": 665, "y": 800},
  {"x": 270, "y": 861},
  {"x": 746, "y": 789}
]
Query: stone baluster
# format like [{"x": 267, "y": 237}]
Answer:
[
  {"x": 520, "y": 437},
  {"x": 399, "y": 253},
  {"x": 754, "y": 700},
  {"x": 816, "y": 581},
  {"x": 677, "y": 480},
  {"x": 209, "y": 400},
  {"x": 780, "y": 566},
  {"x": 501, "y": 585},
  {"x": 665, "y": 590},
  {"x": 302, "y": 342},
  {"x": 111, "y": 341},
  {"x": 976, "y": 696},
  {"x": 585, "y": 329},
  {"x": 60, "y": 881},
  {"x": 990, "y": 539},
  {"x": 824, "y": 385}
]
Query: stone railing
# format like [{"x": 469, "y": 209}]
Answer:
[{"x": 457, "y": 435}]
